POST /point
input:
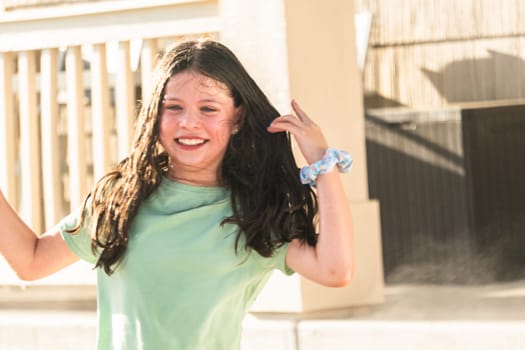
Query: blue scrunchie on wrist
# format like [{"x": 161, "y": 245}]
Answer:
[{"x": 331, "y": 158}]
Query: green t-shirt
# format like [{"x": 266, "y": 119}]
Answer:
[{"x": 180, "y": 285}]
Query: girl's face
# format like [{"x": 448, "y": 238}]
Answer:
[{"x": 197, "y": 119}]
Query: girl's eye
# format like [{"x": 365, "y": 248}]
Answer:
[
  {"x": 208, "y": 109},
  {"x": 174, "y": 108}
]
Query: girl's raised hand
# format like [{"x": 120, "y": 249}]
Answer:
[{"x": 307, "y": 134}]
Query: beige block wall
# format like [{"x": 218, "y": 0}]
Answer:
[{"x": 322, "y": 60}]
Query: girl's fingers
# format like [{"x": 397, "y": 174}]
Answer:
[
  {"x": 300, "y": 113},
  {"x": 284, "y": 124},
  {"x": 284, "y": 121},
  {"x": 306, "y": 133},
  {"x": 300, "y": 116}
]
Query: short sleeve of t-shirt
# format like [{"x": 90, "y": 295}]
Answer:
[
  {"x": 278, "y": 260},
  {"x": 80, "y": 241}
]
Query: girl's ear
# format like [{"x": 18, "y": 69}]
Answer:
[{"x": 238, "y": 119}]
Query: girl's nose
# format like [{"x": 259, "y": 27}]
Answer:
[{"x": 189, "y": 119}]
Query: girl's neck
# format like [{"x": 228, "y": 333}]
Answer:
[{"x": 190, "y": 179}]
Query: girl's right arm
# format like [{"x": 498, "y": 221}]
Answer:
[{"x": 31, "y": 257}]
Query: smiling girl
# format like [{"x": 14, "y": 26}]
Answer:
[{"x": 185, "y": 231}]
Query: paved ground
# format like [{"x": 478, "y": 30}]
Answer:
[{"x": 490, "y": 317}]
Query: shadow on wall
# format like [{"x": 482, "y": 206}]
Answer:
[
  {"x": 496, "y": 77},
  {"x": 373, "y": 100}
]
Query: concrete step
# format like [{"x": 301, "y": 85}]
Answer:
[
  {"x": 48, "y": 330},
  {"x": 377, "y": 335}
]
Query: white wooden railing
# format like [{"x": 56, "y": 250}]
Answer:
[{"x": 62, "y": 127}]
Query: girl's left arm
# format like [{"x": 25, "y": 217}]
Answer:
[{"x": 331, "y": 261}]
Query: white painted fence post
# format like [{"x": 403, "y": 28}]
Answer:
[
  {"x": 148, "y": 60},
  {"x": 100, "y": 112},
  {"x": 49, "y": 130},
  {"x": 124, "y": 94},
  {"x": 76, "y": 128},
  {"x": 8, "y": 176},
  {"x": 30, "y": 160}
]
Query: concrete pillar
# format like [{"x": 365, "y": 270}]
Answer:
[{"x": 306, "y": 49}]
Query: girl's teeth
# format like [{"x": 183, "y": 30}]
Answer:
[{"x": 191, "y": 142}]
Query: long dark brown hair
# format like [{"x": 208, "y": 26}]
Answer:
[{"x": 270, "y": 206}]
